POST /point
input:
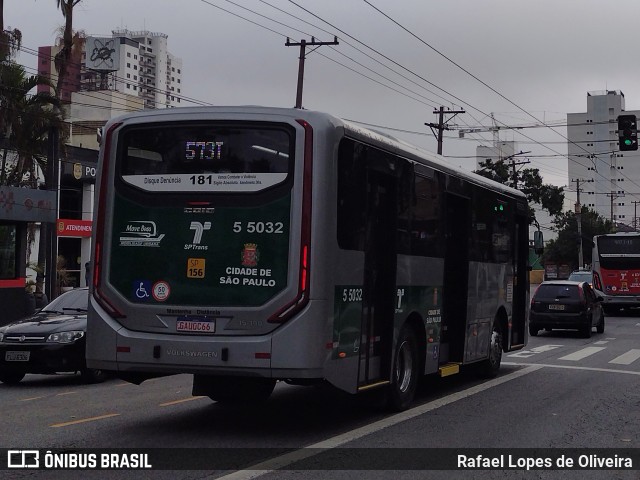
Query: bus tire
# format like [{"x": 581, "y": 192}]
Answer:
[
  {"x": 404, "y": 371},
  {"x": 489, "y": 368},
  {"x": 234, "y": 390}
]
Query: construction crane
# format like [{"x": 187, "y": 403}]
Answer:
[{"x": 493, "y": 129}]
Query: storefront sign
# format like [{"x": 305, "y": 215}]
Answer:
[
  {"x": 27, "y": 204},
  {"x": 73, "y": 228},
  {"x": 83, "y": 171}
]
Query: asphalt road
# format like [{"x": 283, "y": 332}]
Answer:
[{"x": 561, "y": 392}]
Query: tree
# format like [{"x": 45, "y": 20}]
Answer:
[
  {"x": 529, "y": 181},
  {"x": 64, "y": 57},
  {"x": 10, "y": 40},
  {"x": 564, "y": 249},
  {"x": 25, "y": 120}
]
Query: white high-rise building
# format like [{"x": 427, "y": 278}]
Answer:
[
  {"x": 608, "y": 179},
  {"x": 134, "y": 63}
]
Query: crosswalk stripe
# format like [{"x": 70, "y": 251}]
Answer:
[
  {"x": 627, "y": 358},
  {"x": 580, "y": 354}
]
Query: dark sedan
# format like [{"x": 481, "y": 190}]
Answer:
[
  {"x": 566, "y": 305},
  {"x": 51, "y": 341}
]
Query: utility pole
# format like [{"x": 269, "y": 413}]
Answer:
[
  {"x": 514, "y": 173},
  {"x": 579, "y": 222},
  {"x": 441, "y": 125},
  {"x": 612, "y": 196},
  {"x": 303, "y": 47}
]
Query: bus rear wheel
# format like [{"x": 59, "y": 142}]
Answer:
[
  {"x": 405, "y": 371},
  {"x": 489, "y": 368},
  {"x": 234, "y": 390}
]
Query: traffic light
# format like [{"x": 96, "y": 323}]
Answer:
[{"x": 627, "y": 132}]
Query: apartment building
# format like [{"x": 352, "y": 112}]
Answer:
[
  {"x": 136, "y": 63},
  {"x": 608, "y": 180}
]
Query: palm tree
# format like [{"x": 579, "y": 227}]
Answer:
[
  {"x": 64, "y": 57},
  {"x": 25, "y": 120},
  {"x": 10, "y": 40}
]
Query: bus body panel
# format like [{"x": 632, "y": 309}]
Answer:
[
  {"x": 357, "y": 299},
  {"x": 616, "y": 269}
]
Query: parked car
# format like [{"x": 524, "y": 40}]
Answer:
[
  {"x": 567, "y": 305},
  {"x": 582, "y": 276},
  {"x": 51, "y": 341}
]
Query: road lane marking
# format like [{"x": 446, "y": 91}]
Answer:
[
  {"x": 273, "y": 464},
  {"x": 627, "y": 358},
  {"x": 84, "y": 420},
  {"x": 580, "y": 354},
  {"x": 601, "y": 342},
  {"x": 574, "y": 367},
  {"x": 175, "y": 402},
  {"x": 533, "y": 351},
  {"x": 65, "y": 393}
]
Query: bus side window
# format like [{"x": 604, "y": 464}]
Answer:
[
  {"x": 425, "y": 234},
  {"x": 352, "y": 195}
]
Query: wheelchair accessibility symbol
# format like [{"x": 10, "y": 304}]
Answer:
[{"x": 142, "y": 290}]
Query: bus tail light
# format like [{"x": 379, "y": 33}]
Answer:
[
  {"x": 597, "y": 284},
  {"x": 302, "y": 298},
  {"x": 98, "y": 238}
]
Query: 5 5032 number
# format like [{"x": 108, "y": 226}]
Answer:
[{"x": 258, "y": 227}]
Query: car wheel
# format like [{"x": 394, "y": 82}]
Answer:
[
  {"x": 586, "y": 330},
  {"x": 600, "y": 326},
  {"x": 11, "y": 378},
  {"x": 90, "y": 375},
  {"x": 405, "y": 371},
  {"x": 533, "y": 331}
]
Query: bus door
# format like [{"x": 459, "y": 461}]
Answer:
[
  {"x": 379, "y": 285},
  {"x": 521, "y": 279},
  {"x": 456, "y": 278}
]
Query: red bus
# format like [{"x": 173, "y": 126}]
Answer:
[{"x": 616, "y": 270}]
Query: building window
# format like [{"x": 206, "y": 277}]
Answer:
[
  {"x": 8, "y": 248},
  {"x": 129, "y": 54}
]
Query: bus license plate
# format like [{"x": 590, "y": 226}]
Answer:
[
  {"x": 190, "y": 324},
  {"x": 556, "y": 307},
  {"x": 17, "y": 356}
]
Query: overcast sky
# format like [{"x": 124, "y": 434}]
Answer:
[{"x": 533, "y": 61}]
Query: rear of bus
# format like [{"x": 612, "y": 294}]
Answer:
[
  {"x": 202, "y": 244},
  {"x": 616, "y": 270}
]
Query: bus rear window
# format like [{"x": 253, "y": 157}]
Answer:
[{"x": 205, "y": 157}]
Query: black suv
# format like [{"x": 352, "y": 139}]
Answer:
[{"x": 567, "y": 305}]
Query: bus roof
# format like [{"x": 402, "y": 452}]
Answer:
[{"x": 373, "y": 137}]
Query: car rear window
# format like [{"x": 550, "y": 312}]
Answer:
[
  {"x": 558, "y": 291},
  {"x": 580, "y": 277}
]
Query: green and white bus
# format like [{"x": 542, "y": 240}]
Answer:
[{"x": 250, "y": 245}]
